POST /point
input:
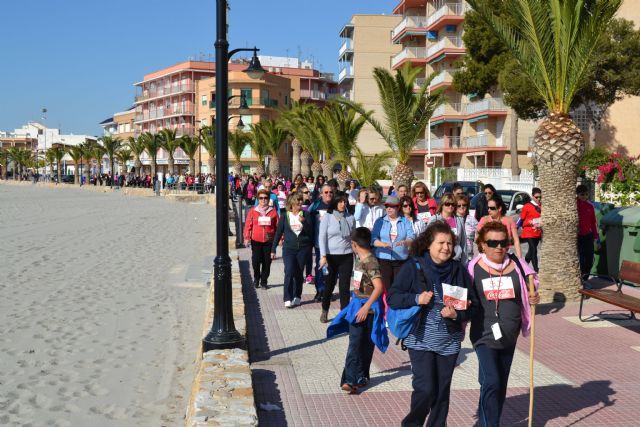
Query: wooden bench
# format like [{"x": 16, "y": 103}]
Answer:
[{"x": 629, "y": 272}]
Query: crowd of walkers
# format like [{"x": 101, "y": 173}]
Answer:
[{"x": 431, "y": 264}]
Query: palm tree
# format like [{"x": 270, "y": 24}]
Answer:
[
  {"x": 272, "y": 136},
  {"x": 58, "y": 154},
  {"x": 554, "y": 42},
  {"x": 406, "y": 114},
  {"x": 238, "y": 141},
  {"x": 123, "y": 155},
  {"x": 89, "y": 152},
  {"x": 190, "y": 145},
  {"x": 76, "y": 154},
  {"x": 20, "y": 158},
  {"x": 296, "y": 121},
  {"x": 208, "y": 141},
  {"x": 137, "y": 148},
  {"x": 169, "y": 143},
  {"x": 259, "y": 147},
  {"x": 368, "y": 169},
  {"x": 50, "y": 158},
  {"x": 152, "y": 143},
  {"x": 111, "y": 146}
]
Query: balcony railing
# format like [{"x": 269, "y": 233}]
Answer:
[
  {"x": 489, "y": 104},
  {"x": 164, "y": 91},
  {"x": 165, "y": 112},
  {"x": 409, "y": 53},
  {"x": 476, "y": 141},
  {"x": 346, "y": 72},
  {"x": 347, "y": 45},
  {"x": 314, "y": 94},
  {"x": 409, "y": 22},
  {"x": 447, "y": 9},
  {"x": 444, "y": 77},
  {"x": 447, "y": 109},
  {"x": 447, "y": 42}
]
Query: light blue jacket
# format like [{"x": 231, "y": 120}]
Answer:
[{"x": 380, "y": 232}]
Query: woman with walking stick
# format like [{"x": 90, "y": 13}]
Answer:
[{"x": 499, "y": 311}]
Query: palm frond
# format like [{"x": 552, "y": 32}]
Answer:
[
  {"x": 368, "y": 169},
  {"x": 238, "y": 141}
]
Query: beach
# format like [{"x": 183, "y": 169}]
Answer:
[{"x": 102, "y": 299}]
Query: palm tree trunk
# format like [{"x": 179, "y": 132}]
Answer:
[
  {"x": 513, "y": 143},
  {"x": 559, "y": 146},
  {"x": 59, "y": 172},
  {"x": 327, "y": 169},
  {"x": 138, "y": 166},
  {"x": 305, "y": 157},
  {"x": 76, "y": 175},
  {"x": 316, "y": 169},
  {"x": 171, "y": 163},
  {"x": 87, "y": 173},
  {"x": 154, "y": 166},
  {"x": 274, "y": 166},
  {"x": 192, "y": 166},
  {"x": 295, "y": 166},
  {"x": 212, "y": 165}
]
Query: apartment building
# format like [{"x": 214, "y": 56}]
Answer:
[
  {"x": 120, "y": 125},
  {"x": 366, "y": 45},
  {"x": 465, "y": 131}
]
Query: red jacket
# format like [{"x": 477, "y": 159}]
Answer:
[
  {"x": 529, "y": 216},
  {"x": 587, "y": 220},
  {"x": 433, "y": 206},
  {"x": 253, "y": 230}
]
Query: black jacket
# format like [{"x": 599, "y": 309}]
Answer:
[{"x": 291, "y": 241}]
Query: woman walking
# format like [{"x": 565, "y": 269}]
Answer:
[
  {"x": 500, "y": 309},
  {"x": 297, "y": 228},
  {"x": 437, "y": 283},
  {"x": 531, "y": 231},
  {"x": 470, "y": 223},
  {"x": 447, "y": 213},
  {"x": 497, "y": 211},
  {"x": 408, "y": 211},
  {"x": 259, "y": 230},
  {"x": 335, "y": 252},
  {"x": 425, "y": 205}
]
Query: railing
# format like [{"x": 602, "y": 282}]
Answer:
[
  {"x": 476, "y": 141},
  {"x": 448, "y": 108},
  {"x": 490, "y": 104},
  {"x": 165, "y": 90},
  {"x": 314, "y": 94},
  {"x": 345, "y": 72},
  {"x": 407, "y": 53},
  {"x": 444, "y": 76},
  {"x": 447, "y": 42},
  {"x": 347, "y": 45},
  {"x": 165, "y": 112},
  {"x": 448, "y": 9},
  {"x": 409, "y": 21}
]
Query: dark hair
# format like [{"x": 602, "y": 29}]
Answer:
[
  {"x": 536, "y": 190},
  {"x": 333, "y": 182},
  {"x": 390, "y": 190},
  {"x": 421, "y": 244},
  {"x": 362, "y": 237},
  {"x": 334, "y": 202},
  {"x": 456, "y": 186},
  {"x": 499, "y": 204},
  {"x": 488, "y": 227},
  {"x": 407, "y": 199},
  {"x": 490, "y": 187},
  {"x": 581, "y": 189}
]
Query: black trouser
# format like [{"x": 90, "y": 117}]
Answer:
[
  {"x": 339, "y": 265},
  {"x": 532, "y": 253},
  {"x": 389, "y": 270},
  {"x": 585, "y": 254},
  {"x": 261, "y": 261},
  {"x": 359, "y": 354},
  {"x": 493, "y": 375},
  {"x": 294, "y": 260},
  {"x": 431, "y": 383}
]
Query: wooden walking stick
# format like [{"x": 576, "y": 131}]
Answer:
[{"x": 532, "y": 290}]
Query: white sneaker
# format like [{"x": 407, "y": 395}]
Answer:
[
  {"x": 295, "y": 302},
  {"x": 288, "y": 304}
]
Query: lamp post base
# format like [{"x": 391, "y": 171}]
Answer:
[{"x": 223, "y": 340}]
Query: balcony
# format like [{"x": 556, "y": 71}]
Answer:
[
  {"x": 447, "y": 46},
  {"x": 165, "y": 112},
  {"x": 408, "y": 4},
  {"x": 410, "y": 25},
  {"x": 448, "y": 109},
  {"x": 476, "y": 141},
  {"x": 445, "y": 78},
  {"x": 314, "y": 94},
  {"x": 408, "y": 54},
  {"x": 346, "y": 50},
  {"x": 447, "y": 14},
  {"x": 158, "y": 92},
  {"x": 489, "y": 106},
  {"x": 345, "y": 74}
]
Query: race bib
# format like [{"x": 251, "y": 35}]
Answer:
[
  {"x": 321, "y": 213},
  {"x": 264, "y": 220},
  {"x": 496, "y": 288},
  {"x": 455, "y": 296},
  {"x": 424, "y": 216},
  {"x": 357, "y": 279},
  {"x": 455, "y": 231},
  {"x": 352, "y": 202}
]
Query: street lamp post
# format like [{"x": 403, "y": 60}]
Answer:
[{"x": 223, "y": 333}]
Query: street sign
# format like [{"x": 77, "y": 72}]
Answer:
[{"x": 429, "y": 162}]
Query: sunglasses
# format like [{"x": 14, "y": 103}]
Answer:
[
  {"x": 419, "y": 192},
  {"x": 305, "y": 192},
  {"x": 406, "y": 206},
  {"x": 492, "y": 208},
  {"x": 327, "y": 192},
  {"x": 462, "y": 206},
  {"x": 263, "y": 198},
  {"x": 448, "y": 204},
  {"x": 537, "y": 197},
  {"x": 495, "y": 243},
  {"x": 390, "y": 206},
  {"x": 489, "y": 193}
]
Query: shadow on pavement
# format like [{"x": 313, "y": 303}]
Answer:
[{"x": 559, "y": 401}]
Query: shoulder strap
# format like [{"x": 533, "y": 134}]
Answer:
[{"x": 517, "y": 261}]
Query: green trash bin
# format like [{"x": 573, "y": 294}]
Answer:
[
  {"x": 621, "y": 227},
  {"x": 600, "y": 267}
]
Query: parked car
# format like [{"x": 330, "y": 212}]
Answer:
[
  {"x": 513, "y": 200},
  {"x": 471, "y": 188},
  {"x": 67, "y": 179}
]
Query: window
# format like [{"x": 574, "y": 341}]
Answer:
[
  {"x": 432, "y": 35},
  {"x": 286, "y": 100},
  {"x": 204, "y": 100},
  {"x": 247, "y": 94},
  {"x": 450, "y": 28}
]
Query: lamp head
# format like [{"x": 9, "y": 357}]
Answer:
[
  {"x": 240, "y": 124},
  {"x": 255, "y": 70}
]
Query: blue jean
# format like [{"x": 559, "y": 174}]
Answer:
[
  {"x": 493, "y": 376},
  {"x": 294, "y": 261},
  {"x": 319, "y": 279},
  {"x": 432, "y": 373},
  {"x": 359, "y": 354}
]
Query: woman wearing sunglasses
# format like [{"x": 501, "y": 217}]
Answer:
[
  {"x": 500, "y": 309},
  {"x": 497, "y": 210},
  {"x": 447, "y": 213},
  {"x": 259, "y": 229},
  {"x": 425, "y": 205},
  {"x": 531, "y": 226},
  {"x": 408, "y": 211},
  {"x": 470, "y": 223}
]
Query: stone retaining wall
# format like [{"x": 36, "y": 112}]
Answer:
[{"x": 222, "y": 392}]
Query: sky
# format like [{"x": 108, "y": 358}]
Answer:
[{"x": 79, "y": 59}]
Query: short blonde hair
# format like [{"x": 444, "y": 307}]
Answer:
[{"x": 293, "y": 197}]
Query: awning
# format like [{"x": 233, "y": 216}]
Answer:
[
  {"x": 476, "y": 119},
  {"x": 476, "y": 154},
  {"x": 448, "y": 120}
]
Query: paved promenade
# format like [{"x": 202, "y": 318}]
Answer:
[
  {"x": 102, "y": 299},
  {"x": 586, "y": 374}
]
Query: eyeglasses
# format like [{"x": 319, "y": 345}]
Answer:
[
  {"x": 462, "y": 206},
  {"x": 327, "y": 192},
  {"x": 495, "y": 243},
  {"x": 305, "y": 192},
  {"x": 418, "y": 192},
  {"x": 448, "y": 204},
  {"x": 263, "y": 198},
  {"x": 492, "y": 208},
  {"x": 406, "y": 206}
]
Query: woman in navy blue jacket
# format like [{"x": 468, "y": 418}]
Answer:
[{"x": 433, "y": 280}]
